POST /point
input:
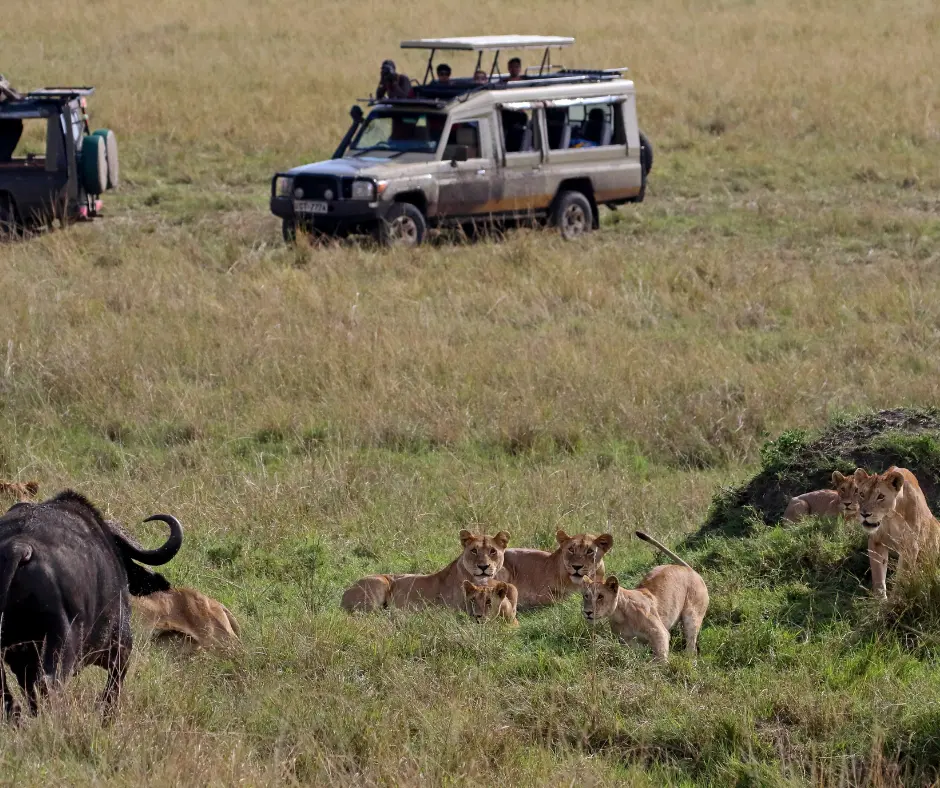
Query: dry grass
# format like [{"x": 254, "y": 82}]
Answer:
[{"x": 318, "y": 413}]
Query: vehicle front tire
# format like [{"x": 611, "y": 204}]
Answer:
[
  {"x": 289, "y": 231},
  {"x": 403, "y": 225},
  {"x": 572, "y": 215}
]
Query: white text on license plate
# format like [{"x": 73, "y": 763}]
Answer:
[{"x": 310, "y": 206}]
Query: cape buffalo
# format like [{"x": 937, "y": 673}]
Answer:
[{"x": 64, "y": 599}]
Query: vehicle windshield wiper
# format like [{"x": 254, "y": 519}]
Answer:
[{"x": 380, "y": 146}]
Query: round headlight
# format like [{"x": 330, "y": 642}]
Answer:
[{"x": 298, "y": 192}]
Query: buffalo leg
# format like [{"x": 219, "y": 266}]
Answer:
[
  {"x": 116, "y": 662},
  {"x": 26, "y": 668},
  {"x": 10, "y": 707}
]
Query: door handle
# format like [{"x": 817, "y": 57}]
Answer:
[{"x": 481, "y": 172}]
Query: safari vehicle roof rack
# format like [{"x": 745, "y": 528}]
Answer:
[
  {"x": 60, "y": 92},
  {"x": 493, "y": 44}
]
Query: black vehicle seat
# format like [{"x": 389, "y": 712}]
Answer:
[
  {"x": 559, "y": 132},
  {"x": 597, "y": 128}
]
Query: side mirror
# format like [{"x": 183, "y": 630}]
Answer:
[
  {"x": 460, "y": 154},
  {"x": 355, "y": 112}
]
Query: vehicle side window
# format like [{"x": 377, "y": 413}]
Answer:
[
  {"x": 601, "y": 124},
  {"x": 466, "y": 133},
  {"x": 520, "y": 134}
]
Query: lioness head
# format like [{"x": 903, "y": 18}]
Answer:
[
  {"x": 847, "y": 487},
  {"x": 484, "y": 601},
  {"x": 581, "y": 554},
  {"x": 877, "y": 494},
  {"x": 483, "y": 555},
  {"x": 600, "y": 599}
]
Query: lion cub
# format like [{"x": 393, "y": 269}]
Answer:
[
  {"x": 480, "y": 562},
  {"x": 190, "y": 612},
  {"x": 490, "y": 601},
  {"x": 840, "y": 502},
  {"x": 649, "y": 612},
  {"x": 895, "y": 515}
]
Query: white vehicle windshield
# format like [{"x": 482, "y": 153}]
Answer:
[{"x": 394, "y": 132}]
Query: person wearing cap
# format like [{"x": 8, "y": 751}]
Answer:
[
  {"x": 443, "y": 74},
  {"x": 391, "y": 83}
]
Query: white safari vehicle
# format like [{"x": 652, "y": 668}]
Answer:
[{"x": 551, "y": 145}]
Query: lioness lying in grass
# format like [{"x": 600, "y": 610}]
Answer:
[
  {"x": 189, "y": 612},
  {"x": 543, "y": 578},
  {"x": 490, "y": 601},
  {"x": 895, "y": 515},
  {"x": 480, "y": 563},
  {"x": 22, "y": 491},
  {"x": 649, "y": 612},
  {"x": 840, "y": 502}
]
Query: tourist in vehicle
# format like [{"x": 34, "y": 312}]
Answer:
[
  {"x": 443, "y": 74},
  {"x": 392, "y": 84},
  {"x": 480, "y": 77},
  {"x": 515, "y": 70}
]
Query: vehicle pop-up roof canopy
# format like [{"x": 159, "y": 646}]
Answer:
[
  {"x": 493, "y": 44},
  {"x": 433, "y": 93}
]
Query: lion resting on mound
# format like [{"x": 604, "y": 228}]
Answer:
[
  {"x": 894, "y": 513},
  {"x": 190, "y": 612},
  {"x": 480, "y": 563},
  {"x": 840, "y": 502},
  {"x": 649, "y": 612},
  {"x": 543, "y": 578},
  {"x": 489, "y": 601}
]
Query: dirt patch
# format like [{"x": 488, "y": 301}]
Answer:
[{"x": 799, "y": 461}]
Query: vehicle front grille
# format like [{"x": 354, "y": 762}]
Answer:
[{"x": 315, "y": 187}]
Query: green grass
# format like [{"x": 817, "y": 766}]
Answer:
[{"x": 316, "y": 413}]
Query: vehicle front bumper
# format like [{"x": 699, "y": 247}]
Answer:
[{"x": 340, "y": 212}]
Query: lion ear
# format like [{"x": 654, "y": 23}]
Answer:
[
  {"x": 860, "y": 474},
  {"x": 612, "y": 583},
  {"x": 466, "y": 537},
  {"x": 895, "y": 479},
  {"x": 501, "y": 590},
  {"x": 502, "y": 539},
  {"x": 837, "y": 478},
  {"x": 467, "y": 587},
  {"x": 604, "y": 542},
  {"x": 561, "y": 536}
]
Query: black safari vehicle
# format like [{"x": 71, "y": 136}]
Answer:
[{"x": 51, "y": 165}]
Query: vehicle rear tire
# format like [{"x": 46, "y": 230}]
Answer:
[
  {"x": 404, "y": 225},
  {"x": 93, "y": 165},
  {"x": 572, "y": 215},
  {"x": 111, "y": 155}
]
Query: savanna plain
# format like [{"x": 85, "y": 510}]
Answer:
[{"x": 313, "y": 414}]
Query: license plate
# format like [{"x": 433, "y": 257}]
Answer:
[{"x": 310, "y": 206}]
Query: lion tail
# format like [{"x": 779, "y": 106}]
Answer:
[{"x": 660, "y": 546}]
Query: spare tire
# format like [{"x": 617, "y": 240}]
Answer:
[
  {"x": 93, "y": 165},
  {"x": 111, "y": 154},
  {"x": 646, "y": 154}
]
